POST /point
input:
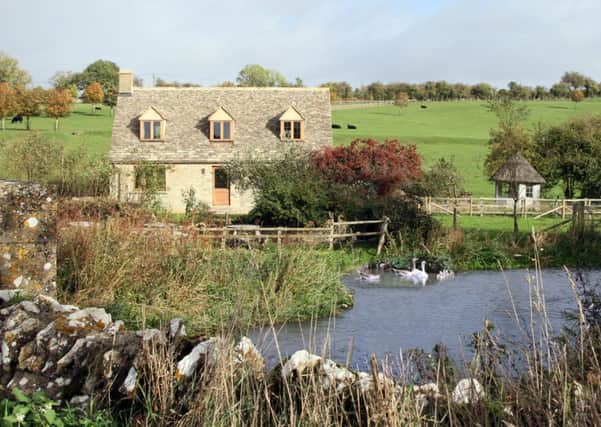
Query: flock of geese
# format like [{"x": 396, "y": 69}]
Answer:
[{"x": 415, "y": 275}]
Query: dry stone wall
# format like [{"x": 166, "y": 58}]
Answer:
[{"x": 27, "y": 239}]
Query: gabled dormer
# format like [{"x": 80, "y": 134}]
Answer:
[
  {"x": 221, "y": 126},
  {"x": 152, "y": 125},
  {"x": 292, "y": 125}
]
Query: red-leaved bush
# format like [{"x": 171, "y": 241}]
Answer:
[{"x": 383, "y": 166}]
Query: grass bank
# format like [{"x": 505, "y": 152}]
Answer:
[{"x": 152, "y": 276}]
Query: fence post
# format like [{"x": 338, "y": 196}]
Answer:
[
  {"x": 279, "y": 237},
  {"x": 383, "y": 232},
  {"x": 224, "y": 239},
  {"x": 481, "y": 207},
  {"x": 471, "y": 206},
  {"x": 563, "y": 209},
  {"x": 331, "y": 234}
]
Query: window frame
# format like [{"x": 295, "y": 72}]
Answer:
[
  {"x": 292, "y": 123},
  {"x": 220, "y": 123},
  {"x": 529, "y": 189},
  {"x": 155, "y": 168},
  {"x": 152, "y": 129}
]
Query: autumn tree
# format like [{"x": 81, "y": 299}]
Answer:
[
  {"x": 10, "y": 71},
  {"x": 577, "y": 96},
  {"x": 58, "y": 104},
  {"x": 30, "y": 102},
  {"x": 401, "y": 100},
  {"x": 370, "y": 166},
  {"x": 93, "y": 94},
  {"x": 443, "y": 179},
  {"x": 7, "y": 101}
]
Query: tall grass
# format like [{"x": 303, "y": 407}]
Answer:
[{"x": 134, "y": 272}]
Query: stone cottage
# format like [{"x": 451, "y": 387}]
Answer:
[{"x": 184, "y": 136}]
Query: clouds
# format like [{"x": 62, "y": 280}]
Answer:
[{"x": 209, "y": 41}]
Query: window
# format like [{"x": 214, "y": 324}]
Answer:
[
  {"x": 292, "y": 125},
  {"x": 152, "y": 125},
  {"x": 152, "y": 130},
  {"x": 221, "y": 178},
  {"x": 529, "y": 190},
  {"x": 150, "y": 178},
  {"x": 221, "y": 126},
  {"x": 221, "y": 131}
]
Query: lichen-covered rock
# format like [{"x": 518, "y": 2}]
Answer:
[
  {"x": 299, "y": 362},
  {"x": 27, "y": 238}
]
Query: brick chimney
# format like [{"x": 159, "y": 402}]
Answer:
[{"x": 126, "y": 82}]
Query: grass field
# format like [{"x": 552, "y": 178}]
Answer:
[
  {"x": 446, "y": 129},
  {"x": 499, "y": 223},
  {"x": 81, "y": 128}
]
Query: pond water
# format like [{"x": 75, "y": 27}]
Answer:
[{"x": 394, "y": 316}]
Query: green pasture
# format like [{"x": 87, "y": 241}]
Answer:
[
  {"x": 82, "y": 128},
  {"x": 456, "y": 129},
  {"x": 500, "y": 223}
]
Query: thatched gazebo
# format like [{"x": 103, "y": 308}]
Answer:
[{"x": 517, "y": 179}]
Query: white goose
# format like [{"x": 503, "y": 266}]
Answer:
[
  {"x": 403, "y": 273},
  {"x": 419, "y": 277}
]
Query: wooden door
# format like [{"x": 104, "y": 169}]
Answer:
[{"x": 221, "y": 187}]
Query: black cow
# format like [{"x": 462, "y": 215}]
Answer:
[
  {"x": 17, "y": 119},
  {"x": 351, "y": 126},
  {"x": 336, "y": 126},
  {"x": 423, "y": 106},
  {"x": 97, "y": 108}
]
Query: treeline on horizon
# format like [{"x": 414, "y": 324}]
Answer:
[{"x": 571, "y": 83}]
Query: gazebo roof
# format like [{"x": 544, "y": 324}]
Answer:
[{"x": 517, "y": 170}]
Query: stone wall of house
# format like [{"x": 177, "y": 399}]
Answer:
[
  {"x": 179, "y": 178},
  {"x": 27, "y": 239}
]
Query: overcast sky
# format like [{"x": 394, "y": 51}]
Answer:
[{"x": 207, "y": 42}]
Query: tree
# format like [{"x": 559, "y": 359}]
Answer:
[
  {"x": 482, "y": 91},
  {"x": 509, "y": 137},
  {"x": 573, "y": 79},
  {"x": 227, "y": 83},
  {"x": 560, "y": 90},
  {"x": 287, "y": 190},
  {"x": 256, "y": 75},
  {"x": 32, "y": 157},
  {"x": 339, "y": 90},
  {"x": 106, "y": 73},
  {"x": 10, "y": 71},
  {"x": 58, "y": 104},
  {"x": 569, "y": 152},
  {"x": 401, "y": 100},
  {"x": 93, "y": 94},
  {"x": 29, "y": 102},
  {"x": 443, "y": 179},
  {"x": 62, "y": 79},
  {"x": 138, "y": 81},
  {"x": 8, "y": 101},
  {"x": 577, "y": 96},
  {"x": 509, "y": 113},
  {"x": 370, "y": 167}
]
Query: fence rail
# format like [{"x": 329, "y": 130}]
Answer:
[
  {"x": 482, "y": 206},
  {"x": 349, "y": 104}
]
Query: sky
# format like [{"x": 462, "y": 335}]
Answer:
[{"x": 206, "y": 42}]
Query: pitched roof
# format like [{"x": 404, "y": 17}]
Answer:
[
  {"x": 291, "y": 114},
  {"x": 220, "y": 115},
  {"x": 256, "y": 112},
  {"x": 517, "y": 169},
  {"x": 151, "y": 114}
]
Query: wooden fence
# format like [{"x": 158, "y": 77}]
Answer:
[
  {"x": 334, "y": 232},
  {"x": 358, "y": 103},
  {"x": 482, "y": 206}
]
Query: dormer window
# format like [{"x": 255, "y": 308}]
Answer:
[
  {"x": 152, "y": 125},
  {"x": 221, "y": 126},
  {"x": 292, "y": 125}
]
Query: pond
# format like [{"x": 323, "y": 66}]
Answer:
[{"x": 393, "y": 316}]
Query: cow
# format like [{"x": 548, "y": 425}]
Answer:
[
  {"x": 97, "y": 108},
  {"x": 17, "y": 119},
  {"x": 336, "y": 126},
  {"x": 351, "y": 126},
  {"x": 423, "y": 106}
]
